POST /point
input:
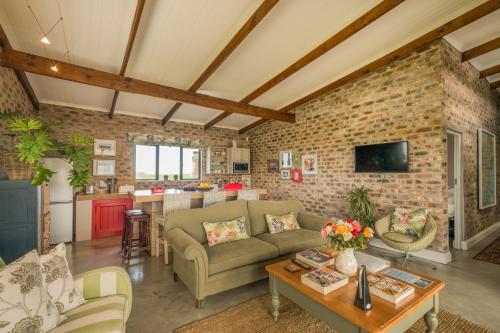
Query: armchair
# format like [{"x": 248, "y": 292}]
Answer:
[{"x": 406, "y": 243}]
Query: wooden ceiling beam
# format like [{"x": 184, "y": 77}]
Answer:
[
  {"x": 355, "y": 26},
  {"x": 481, "y": 49},
  {"x": 489, "y": 71},
  {"x": 128, "y": 50},
  {"x": 66, "y": 71},
  {"x": 405, "y": 50},
  {"x": 244, "y": 31},
  {"x": 495, "y": 85},
  {"x": 21, "y": 76}
]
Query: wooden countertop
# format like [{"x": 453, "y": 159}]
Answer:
[{"x": 147, "y": 196}]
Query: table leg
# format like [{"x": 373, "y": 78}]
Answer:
[
  {"x": 430, "y": 318},
  {"x": 275, "y": 297}
]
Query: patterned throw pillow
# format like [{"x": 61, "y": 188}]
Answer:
[
  {"x": 282, "y": 223},
  {"x": 223, "y": 232},
  {"x": 25, "y": 305},
  {"x": 59, "y": 281},
  {"x": 409, "y": 221}
]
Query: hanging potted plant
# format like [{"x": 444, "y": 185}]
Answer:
[{"x": 34, "y": 144}]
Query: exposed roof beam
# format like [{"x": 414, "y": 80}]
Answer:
[
  {"x": 244, "y": 31},
  {"x": 355, "y": 26},
  {"x": 481, "y": 49},
  {"x": 131, "y": 38},
  {"x": 489, "y": 71},
  {"x": 66, "y": 71},
  {"x": 405, "y": 50},
  {"x": 495, "y": 85},
  {"x": 21, "y": 76}
]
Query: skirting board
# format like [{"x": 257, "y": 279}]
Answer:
[
  {"x": 467, "y": 244},
  {"x": 440, "y": 257}
]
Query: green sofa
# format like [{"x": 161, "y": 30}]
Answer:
[{"x": 208, "y": 270}]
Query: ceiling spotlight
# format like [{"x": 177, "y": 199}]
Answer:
[
  {"x": 54, "y": 68},
  {"x": 45, "y": 40}
]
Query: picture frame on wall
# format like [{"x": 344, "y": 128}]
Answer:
[
  {"x": 296, "y": 175},
  {"x": 104, "y": 147},
  {"x": 286, "y": 159},
  {"x": 285, "y": 174},
  {"x": 487, "y": 171},
  {"x": 310, "y": 164},
  {"x": 104, "y": 168},
  {"x": 272, "y": 166}
]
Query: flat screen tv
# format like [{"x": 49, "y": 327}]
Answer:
[{"x": 383, "y": 157}]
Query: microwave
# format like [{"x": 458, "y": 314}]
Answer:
[{"x": 241, "y": 167}]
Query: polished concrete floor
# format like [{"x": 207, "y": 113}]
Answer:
[{"x": 160, "y": 305}]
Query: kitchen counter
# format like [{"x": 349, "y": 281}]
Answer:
[
  {"x": 147, "y": 196},
  {"x": 102, "y": 196}
]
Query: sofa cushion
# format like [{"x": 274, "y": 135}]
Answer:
[
  {"x": 281, "y": 223},
  {"x": 226, "y": 256},
  {"x": 225, "y": 232},
  {"x": 293, "y": 241},
  {"x": 259, "y": 208},
  {"x": 191, "y": 220},
  {"x": 103, "y": 314},
  {"x": 399, "y": 237}
]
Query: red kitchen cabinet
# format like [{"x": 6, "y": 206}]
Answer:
[{"x": 108, "y": 217}]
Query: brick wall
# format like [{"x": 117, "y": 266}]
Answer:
[
  {"x": 97, "y": 124},
  {"x": 469, "y": 104},
  {"x": 402, "y": 101}
]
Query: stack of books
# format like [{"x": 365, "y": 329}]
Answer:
[
  {"x": 324, "y": 280},
  {"x": 315, "y": 258},
  {"x": 388, "y": 289}
]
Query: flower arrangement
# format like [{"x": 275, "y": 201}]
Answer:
[{"x": 347, "y": 233}]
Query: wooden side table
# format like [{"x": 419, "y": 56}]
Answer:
[{"x": 132, "y": 218}]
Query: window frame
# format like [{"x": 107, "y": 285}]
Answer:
[{"x": 157, "y": 166}]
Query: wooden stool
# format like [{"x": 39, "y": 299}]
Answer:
[{"x": 128, "y": 241}]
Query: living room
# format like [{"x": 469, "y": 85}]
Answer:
[{"x": 124, "y": 124}]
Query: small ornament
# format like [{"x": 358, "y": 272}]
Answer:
[{"x": 363, "y": 300}]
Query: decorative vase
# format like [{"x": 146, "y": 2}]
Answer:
[{"x": 346, "y": 262}]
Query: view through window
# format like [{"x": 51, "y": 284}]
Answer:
[{"x": 157, "y": 161}]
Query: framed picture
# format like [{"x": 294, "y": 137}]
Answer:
[
  {"x": 104, "y": 168},
  {"x": 296, "y": 161},
  {"x": 246, "y": 180},
  {"x": 104, "y": 147},
  {"x": 285, "y": 174},
  {"x": 273, "y": 166},
  {"x": 296, "y": 175},
  {"x": 285, "y": 159},
  {"x": 487, "y": 171},
  {"x": 310, "y": 164}
]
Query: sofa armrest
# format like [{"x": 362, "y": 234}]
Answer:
[
  {"x": 189, "y": 249},
  {"x": 105, "y": 281},
  {"x": 311, "y": 221},
  {"x": 2, "y": 263}
]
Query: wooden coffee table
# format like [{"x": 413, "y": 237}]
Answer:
[{"x": 337, "y": 308}]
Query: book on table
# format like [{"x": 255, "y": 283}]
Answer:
[
  {"x": 388, "y": 289},
  {"x": 324, "y": 280},
  {"x": 315, "y": 258}
]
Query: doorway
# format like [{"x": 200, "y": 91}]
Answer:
[{"x": 455, "y": 188}]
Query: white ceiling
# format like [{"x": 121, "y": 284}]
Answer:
[{"x": 177, "y": 40}]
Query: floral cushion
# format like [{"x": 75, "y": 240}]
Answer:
[
  {"x": 58, "y": 279},
  {"x": 223, "y": 232},
  {"x": 25, "y": 305},
  {"x": 282, "y": 223},
  {"x": 409, "y": 221}
]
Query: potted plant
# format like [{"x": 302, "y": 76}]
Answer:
[
  {"x": 176, "y": 177},
  {"x": 360, "y": 206},
  {"x": 165, "y": 177},
  {"x": 348, "y": 235},
  {"x": 35, "y": 143}
]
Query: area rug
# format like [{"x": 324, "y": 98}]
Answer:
[
  {"x": 254, "y": 316},
  {"x": 491, "y": 253}
]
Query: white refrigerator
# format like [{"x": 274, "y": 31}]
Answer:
[{"x": 61, "y": 202}]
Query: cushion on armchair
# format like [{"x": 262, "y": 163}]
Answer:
[
  {"x": 409, "y": 221},
  {"x": 399, "y": 237}
]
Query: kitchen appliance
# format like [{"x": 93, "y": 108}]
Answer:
[
  {"x": 61, "y": 201},
  {"x": 111, "y": 185},
  {"x": 241, "y": 167}
]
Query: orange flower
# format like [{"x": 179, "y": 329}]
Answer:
[{"x": 368, "y": 232}]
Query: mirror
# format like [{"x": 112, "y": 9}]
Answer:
[{"x": 487, "y": 169}]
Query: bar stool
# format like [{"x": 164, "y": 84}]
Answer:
[{"x": 133, "y": 217}]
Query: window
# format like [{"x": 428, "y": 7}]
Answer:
[{"x": 155, "y": 162}]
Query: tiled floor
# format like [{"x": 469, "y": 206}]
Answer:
[{"x": 160, "y": 305}]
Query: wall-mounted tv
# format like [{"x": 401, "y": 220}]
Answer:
[{"x": 383, "y": 157}]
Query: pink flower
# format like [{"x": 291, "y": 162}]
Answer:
[
  {"x": 356, "y": 228},
  {"x": 324, "y": 233}
]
